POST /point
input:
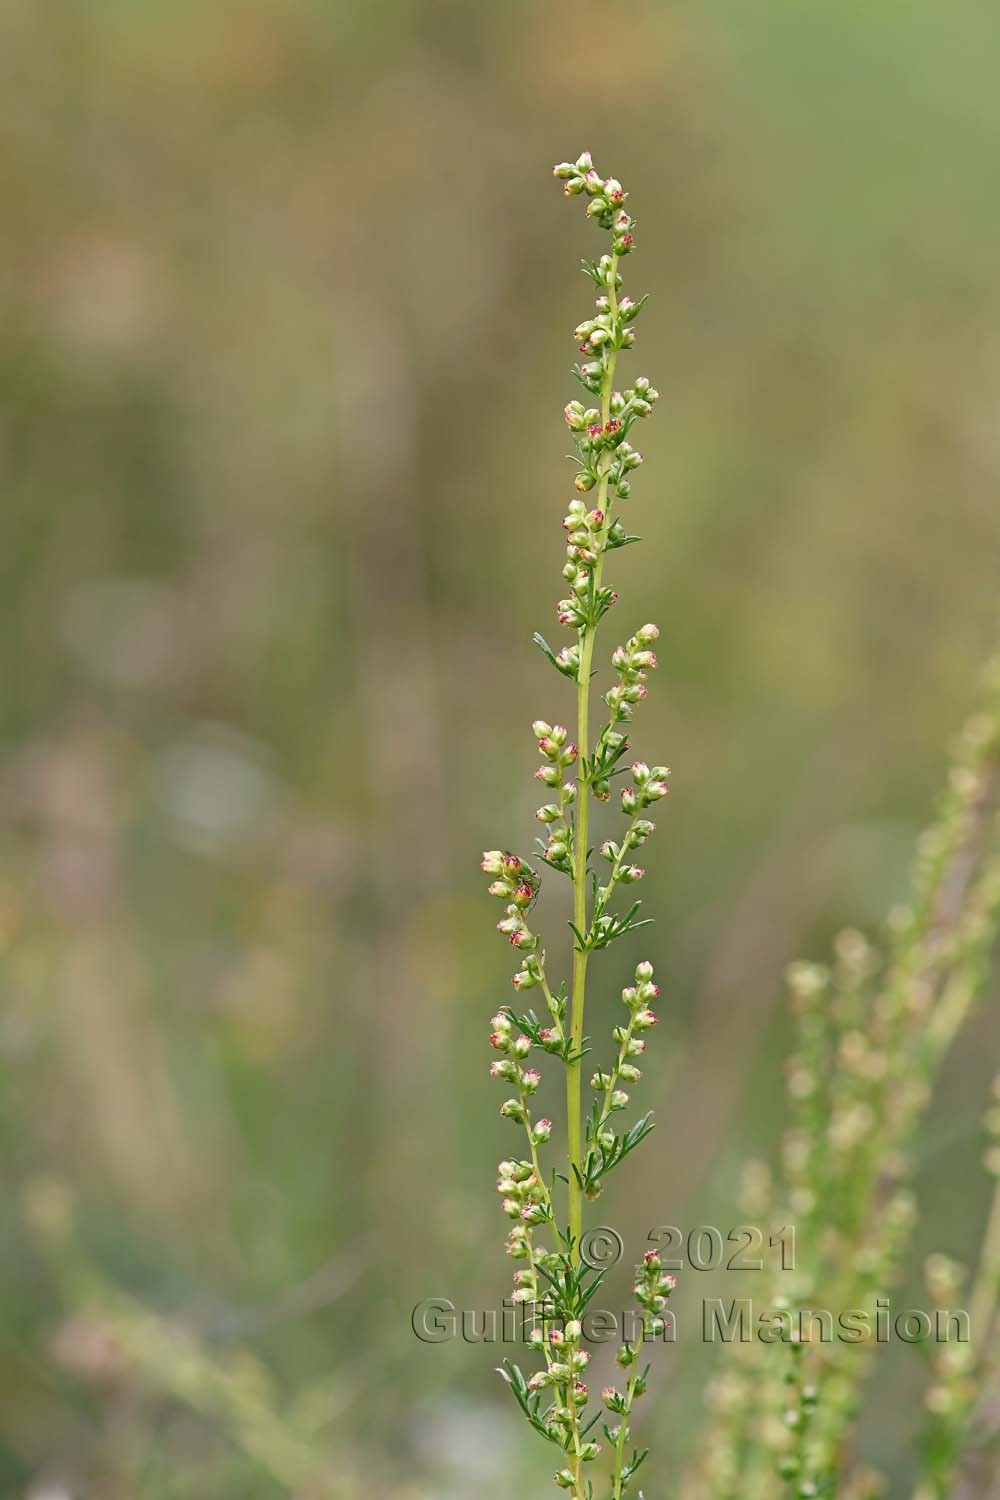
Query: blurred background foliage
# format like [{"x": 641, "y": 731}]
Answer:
[{"x": 285, "y": 285}]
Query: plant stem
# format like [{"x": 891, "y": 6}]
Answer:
[
  {"x": 580, "y": 842},
  {"x": 983, "y": 1302},
  {"x": 616, "y": 1478}
]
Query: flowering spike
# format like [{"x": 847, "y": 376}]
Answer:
[{"x": 577, "y": 770}]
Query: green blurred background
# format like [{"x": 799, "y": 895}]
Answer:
[{"x": 286, "y": 299}]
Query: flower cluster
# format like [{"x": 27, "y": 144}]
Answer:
[
  {"x": 607, "y": 199},
  {"x": 648, "y": 786},
  {"x": 576, "y": 771},
  {"x": 517, "y": 884},
  {"x": 603, "y": 446},
  {"x": 631, "y": 662},
  {"x": 653, "y": 1286}
]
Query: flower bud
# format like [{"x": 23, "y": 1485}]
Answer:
[
  {"x": 512, "y": 1109},
  {"x": 643, "y": 972},
  {"x": 541, "y": 1132}
]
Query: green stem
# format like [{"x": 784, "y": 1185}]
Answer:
[
  {"x": 983, "y": 1302},
  {"x": 578, "y": 991},
  {"x": 621, "y": 1440}
]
